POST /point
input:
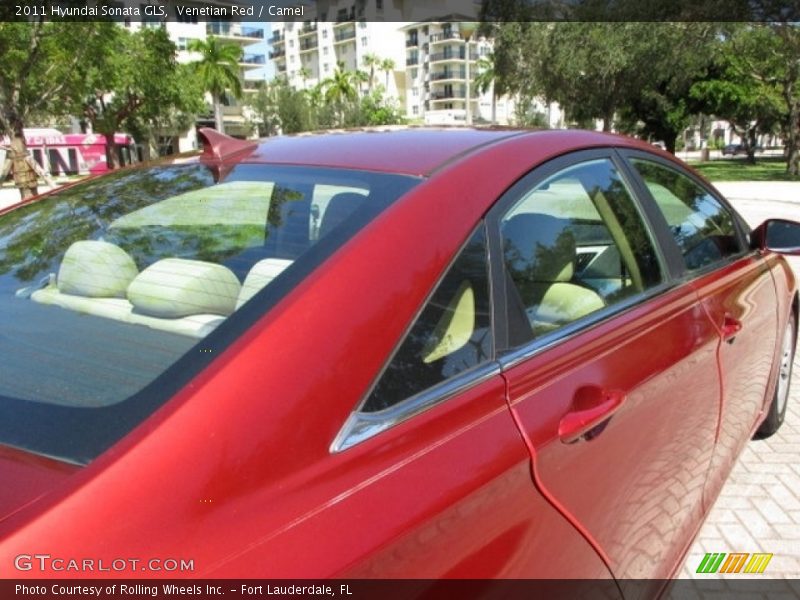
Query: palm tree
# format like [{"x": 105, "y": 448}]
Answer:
[
  {"x": 487, "y": 79},
  {"x": 339, "y": 89},
  {"x": 387, "y": 66},
  {"x": 304, "y": 75},
  {"x": 218, "y": 71},
  {"x": 372, "y": 61},
  {"x": 315, "y": 95}
]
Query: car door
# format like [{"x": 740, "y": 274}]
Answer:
[
  {"x": 736, "y": 290},
  {"x": 610, "y": 364}
]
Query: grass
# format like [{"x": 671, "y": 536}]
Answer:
[{"x": 771, "y": 168}]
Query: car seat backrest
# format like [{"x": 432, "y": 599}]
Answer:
[
  {"x": 177, "y": 287},
  {"x": 96, "y": 269}
]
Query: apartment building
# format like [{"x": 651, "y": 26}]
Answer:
[
  {"x": 440, "y": 58},
  {"x": 346, "y": 31},
  {"x": 309, "y": 52}
]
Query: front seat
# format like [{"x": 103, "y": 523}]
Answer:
[
  {"x": 340, "y": 208},
  {"x": 540, "y": 253}
]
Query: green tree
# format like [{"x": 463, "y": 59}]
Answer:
[
  {"x": 737, "y": 92},
  {"x": 373, "y": 62},
  {"x": 340, "y": 89},
  {"x": 139, "y": 83},
  {"x": 304, "y": 74},
  {"x": 486, "y": 81},
  {"x": 638, "y": 73},
  {"x": 785, "y": 74},
  {"x": 265, "y": 105},
  {"x": 218, "y": 71},
  {"x": 43, "y": 63},
  {"x": 154, "y": 121},
  {"x": 387, "y": 66}
]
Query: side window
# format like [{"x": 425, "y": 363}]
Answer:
[
  {"x": 451, "y": 335},
  {"x": 701, "y": 226},
  {"x": 573, "y": 245}
]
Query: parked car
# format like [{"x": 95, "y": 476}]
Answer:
[
  {"x": 737, "y": 149},
  {"x": 421, "y": 353}
]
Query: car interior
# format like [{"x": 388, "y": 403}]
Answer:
[
  {"x": 188, "y": 295},
  {"x": 567, "y": 252}
]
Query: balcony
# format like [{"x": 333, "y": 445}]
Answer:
[
  {"x": 450, "y": 55},
  {"x": 308, "y": 44},
  {"x": 412, "y": 43},
  {"x": 307, "y": 28},
  {"x": 253, "y": 59},
  {"x": 344, "y": 35},
  {"x": 252, "y": 85},
  {"x": 235, "y": 31},
  {"x": 452, "y": 74},
  {"x": 276, "y": 38},
  {"x": 447, "y": 95},
  {"x": 412, "y": 60},
  {"x": 343, "y": 16},
  {"x": 445, "y": 36},
  {"x": 277, "y": 53}
]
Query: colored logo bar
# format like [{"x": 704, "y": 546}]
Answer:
[{"x": 735, "y": 562}]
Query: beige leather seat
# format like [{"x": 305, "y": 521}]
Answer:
[
  {"x": 93, "y": 278},
  {"x": 540, "y": 257},
  {"x": 261, "y": 274},
  {"x": 189, "y": 297}
]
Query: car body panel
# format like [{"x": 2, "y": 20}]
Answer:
[
  {"x": 656, "y": 448},
  {"x": 32, "y": 475},
  {"x": 742, "y": 291}
]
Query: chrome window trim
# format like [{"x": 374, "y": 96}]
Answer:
[
  {"x": 361, "y": 426},
  {"x": 518, "y": 355}
]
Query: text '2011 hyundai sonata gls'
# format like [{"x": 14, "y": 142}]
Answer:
[{"x": 419, "y": 353}]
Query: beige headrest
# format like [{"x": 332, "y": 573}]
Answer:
[
  {"x": 177, "y": 287},
  {"x": 96, "y": 269}
]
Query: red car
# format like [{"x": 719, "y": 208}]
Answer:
[{"x": 420, "y": 353}]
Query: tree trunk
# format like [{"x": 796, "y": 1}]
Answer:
[
  {"x": 792, "y": 150},
  {"x": 494, "y": 105},
  {"x": 218, "y": 119},
  {"x": 25, "y": 177},
  {"x": 112, "y": 151},
  {"x": 670, "y": 141},
  {"x": 608, "y": 120},
  {"x": 750, "y": 147}
]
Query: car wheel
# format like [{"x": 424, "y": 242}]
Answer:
[{"x": 777, "y": 410}]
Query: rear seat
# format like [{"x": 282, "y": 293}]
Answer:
[
  {"x": 188, "y": 297},
  {"x": 262, "y": 273}
]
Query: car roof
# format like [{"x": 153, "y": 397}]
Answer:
[{"x": 411, "y": 151}]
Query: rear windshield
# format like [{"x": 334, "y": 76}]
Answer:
[{"x": 107, "y": 287}]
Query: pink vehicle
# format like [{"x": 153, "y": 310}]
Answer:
[{"x": 75, "y": 153}]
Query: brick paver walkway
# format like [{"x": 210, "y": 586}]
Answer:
[{"x": 759, "y": 507}]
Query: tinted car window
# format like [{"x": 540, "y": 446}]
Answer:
[
  {"x": 703, "y": 229},
  {"x": 451, "y": 335},
  {"x": 108, "y": 284},
  {"x": 573, "y": 245}
]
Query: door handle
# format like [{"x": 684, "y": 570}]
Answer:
[
  {"x": 730, "y": 327},
  {"x": 591, "y": 406}
]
